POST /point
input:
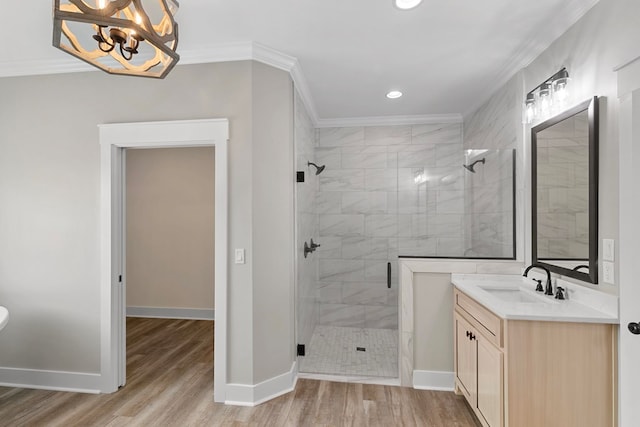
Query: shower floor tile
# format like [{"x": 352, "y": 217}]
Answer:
[{"x": 334, "y": 350}]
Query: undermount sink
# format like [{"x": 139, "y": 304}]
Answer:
[
  {"x": 518, "y": 295},
  {"x": 4, "y": 317}
]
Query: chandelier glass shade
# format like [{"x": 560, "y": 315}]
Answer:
[{"x": 119, "y": 36}]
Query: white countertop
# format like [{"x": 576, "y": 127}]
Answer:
[{"x": 583, "y": 305}]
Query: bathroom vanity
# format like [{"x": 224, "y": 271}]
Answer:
[{"x": 524, "y": 359}]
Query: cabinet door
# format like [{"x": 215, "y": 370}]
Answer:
[
  {"x": 490, "y": 383},
  {"x": 466, "y": 363}
]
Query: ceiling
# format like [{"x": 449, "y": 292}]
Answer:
[{"x": 447, "y": 56}]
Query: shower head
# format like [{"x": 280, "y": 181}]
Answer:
[
  {"x": 470, "y": 167},
  {"x": 319, "y": 169}
]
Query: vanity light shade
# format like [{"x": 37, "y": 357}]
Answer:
[
  {"x": 119, "y": 36},
  {"x": 530, "y": 108},
  {"x": 560, "y": 88},
  {"x": 544, "y": 100}
]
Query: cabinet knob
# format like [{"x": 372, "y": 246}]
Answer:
[
  {"x": 634, "y": 328},
  {"x": 468, "y": 334},
  {"x": 471, "y": 336}
]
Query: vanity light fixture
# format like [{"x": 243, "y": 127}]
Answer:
[
  {"x": 548, "y": 97},
  {"x": 119, "y": 36},
  {"x": 394, "y": 94},
  {"x": 406, "y": 4}
]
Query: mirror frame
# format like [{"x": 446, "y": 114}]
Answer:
[{"x": 592, "y": 107}]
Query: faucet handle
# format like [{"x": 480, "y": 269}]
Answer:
[
  {"x": 559, "y": 292},
  {"x": 539, "y": 286}
]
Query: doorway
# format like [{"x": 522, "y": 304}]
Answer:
[
  {"x": 169, "y": 232},
  {"x": 114, "y": 139}
]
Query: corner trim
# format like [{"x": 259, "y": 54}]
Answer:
[
  {"x": 172, "y": 313},
  {"x": 433, "y": 380},
  {"x": 78, "y": 382},
  {"x": 253, "y": 395}
]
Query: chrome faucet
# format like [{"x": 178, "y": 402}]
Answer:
[{"x": 549, "y": 287}]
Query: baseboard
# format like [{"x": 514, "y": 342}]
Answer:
[
  {"x": 50, "y": 380},
  {"x": 433, "y": 380},
  {"x": 171, "y": 313},
  {"x": 252, "y": 395}
]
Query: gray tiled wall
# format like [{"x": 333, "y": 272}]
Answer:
[
  {"x": 386, "y": 191},
  {"x": 496, "y": 127},
  {"x": 489, "y": 205}
]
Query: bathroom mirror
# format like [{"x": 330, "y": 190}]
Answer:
[{"x": 564, "y": 193}]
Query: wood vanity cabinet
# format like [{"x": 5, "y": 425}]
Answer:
[{"x": 522, "y": 373}]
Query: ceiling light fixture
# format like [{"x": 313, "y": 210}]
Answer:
[
  {"x": 394, "y": 94},
  {"x": 119, "y": 36},
  {"x": 549, "y": 97},
  {"x": 406, "y": 4}
]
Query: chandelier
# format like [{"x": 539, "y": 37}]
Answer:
[{"x": 119, "y": 36}]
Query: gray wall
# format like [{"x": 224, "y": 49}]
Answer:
[
  {"x": 49, "y": 215},
  {"x": 433, "y": 322},
  {"x": 170, "y": 227},
  {"x": 272, "y": 223}
]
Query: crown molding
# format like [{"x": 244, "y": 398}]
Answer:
[
  {"x": 44, "y": 66},
  {"x": 389, "y": 120},
  {"x": 252, "y": 51},
  {"x": 224, "y": 52},
  {"x": 571, "y": 11}
]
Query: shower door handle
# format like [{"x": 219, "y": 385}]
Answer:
[{"x": 389, "y": 275}]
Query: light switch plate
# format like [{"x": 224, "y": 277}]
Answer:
[
  {"x": 608, "y": 250},
  {"x": 607, "y": 273},
  {"x": 239, "y": 256}
]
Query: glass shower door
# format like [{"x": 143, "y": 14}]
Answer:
[{"x": 356, "y": 287}]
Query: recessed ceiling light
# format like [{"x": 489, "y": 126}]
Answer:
[
  {"x": 406, "y": 4},
  {"x": 394, "y": 94}
]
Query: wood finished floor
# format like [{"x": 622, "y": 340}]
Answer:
[{"x": 170, "y": 383}]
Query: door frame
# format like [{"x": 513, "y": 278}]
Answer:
[
  {"x": 114, "y": 139},
  {"x": 629, "y": 239}
]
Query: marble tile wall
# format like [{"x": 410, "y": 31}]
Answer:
[
  {"x": 495, "y": 126},
  {"x": 306, "y": 225},
  {"x": 489, "y": 208},
  {"x": 386, "y": 191}
]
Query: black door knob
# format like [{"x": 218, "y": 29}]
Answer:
[{"x": 634, "y": 328}]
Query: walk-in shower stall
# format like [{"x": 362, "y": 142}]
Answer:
[{"x": 384, "y": 192}]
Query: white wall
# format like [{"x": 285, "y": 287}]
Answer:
[
  {"x": 49, "y": 210},
  {"x": 170, "y": 233}
]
